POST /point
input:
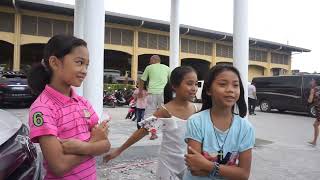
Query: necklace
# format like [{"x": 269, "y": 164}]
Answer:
[{"x": 220, "y": 152}]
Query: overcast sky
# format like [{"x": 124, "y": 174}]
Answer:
[{"x": 284, "y": 21}]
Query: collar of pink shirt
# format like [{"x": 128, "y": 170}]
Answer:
[{"x": 59, "y": 97}]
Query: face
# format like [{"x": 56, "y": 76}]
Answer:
[
  {"x": 73, "y": 69},
  {"x": 188, "y": 87},
  {"x": 225, "y": 89}
]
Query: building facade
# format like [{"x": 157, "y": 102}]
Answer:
[{"x": 25, "y": 27}]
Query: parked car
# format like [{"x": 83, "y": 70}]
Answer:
[
  {"x": 139, "y": 73},
  {"x": 124, "y": 80},
  {"x": 14, "y": 89},
  {"x": 110, "y": 76},
  {"x": 19, "y": 158},
  {"x": 285, "y": 93}
]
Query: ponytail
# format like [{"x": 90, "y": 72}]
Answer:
[
  {"x": 38, "y": 77},
  {"x": 167, "y": 93}
]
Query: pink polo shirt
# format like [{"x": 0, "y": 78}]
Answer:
[{"x": 55, "y": 114}]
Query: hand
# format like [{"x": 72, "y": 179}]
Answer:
[
  {"x": 99, "y": 132},
  {"x": 111, "y": 155},
  {"x": 197, "y": 163},
  {"x": 73, "y": 146}
]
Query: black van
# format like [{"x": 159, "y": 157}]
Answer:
[{"x": 285, "y": 93}]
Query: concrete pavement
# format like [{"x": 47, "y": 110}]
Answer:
[{"x": 281, "y": 150}]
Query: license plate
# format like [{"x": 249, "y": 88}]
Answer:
[{"x": 18, "y": 88}]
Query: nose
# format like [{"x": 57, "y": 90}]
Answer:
[
  {"x": 195, "y": 88},
  {"x": 230, "y": 88},
  {"x": 84, "y": 69}
]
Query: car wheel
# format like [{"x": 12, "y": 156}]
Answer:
[
  {"x": 312, "y": 111},
  {"x": 265, "y": 106}
]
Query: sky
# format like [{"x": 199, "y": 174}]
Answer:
[{"x": 293, "y": 22}]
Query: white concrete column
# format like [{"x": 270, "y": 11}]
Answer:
[
  {"x": 94, "y": 36},
  {"x": 174, "y": 34},
  {"x": 78, "y": 27},
  {"x": 241, "y": 41}
]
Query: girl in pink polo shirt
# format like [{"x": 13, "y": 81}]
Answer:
[{"x": 63, "y": 123}]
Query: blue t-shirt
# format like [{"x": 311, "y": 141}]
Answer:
[{"x": 240, "y": 138}]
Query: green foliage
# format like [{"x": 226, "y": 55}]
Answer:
[{"x": 113, "y": 87}]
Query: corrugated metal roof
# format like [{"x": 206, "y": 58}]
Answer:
[{"x": 117, "y": 18}]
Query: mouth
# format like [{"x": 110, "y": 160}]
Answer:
[
  {"x": 81, "y": 78},
  {"x": 230, "y": 98}
]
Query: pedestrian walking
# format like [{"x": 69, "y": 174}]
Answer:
[
  {"x": 252, "y": 98},
  {"x": 314, "y": 98}
]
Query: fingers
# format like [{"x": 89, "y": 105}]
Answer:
[
  {"x": 106, "y": 158},
  {"x": 192, "y": 150},
  {"x": 103, "y": 125}
]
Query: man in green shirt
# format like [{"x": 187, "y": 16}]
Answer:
[{"x": 157, "y": 76}]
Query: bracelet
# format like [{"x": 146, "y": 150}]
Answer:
[
  {"x": 215, "y": 171},
  {"x": 217, "y": 167}
]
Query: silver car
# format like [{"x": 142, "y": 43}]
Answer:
[{"x": 19, "y": 158}]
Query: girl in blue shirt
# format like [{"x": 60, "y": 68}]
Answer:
[{"x": 220, "y": 141}]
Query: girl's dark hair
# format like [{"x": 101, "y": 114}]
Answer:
[
  {"x": 212, "y": 74},
  {"x": 59, "y": 46},
  {"x": 176, "y": 78}
]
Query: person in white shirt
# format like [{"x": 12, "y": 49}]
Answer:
[{"x": 252, "y": 98}]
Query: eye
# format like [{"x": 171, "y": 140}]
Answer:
[
  {"x": 79, "y": 62},
  {"x": 189, "y": 83}
]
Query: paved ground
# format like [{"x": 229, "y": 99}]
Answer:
[{"x": 281, "y": 150}]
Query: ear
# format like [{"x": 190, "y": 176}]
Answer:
[
  {"x": 173, "y": 88},
  {"x": 54, "y": 62}
]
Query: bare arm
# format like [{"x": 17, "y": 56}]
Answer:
[
  {"x": 255, "y": 95},
  {"x": 78, "y": 147},
  {"x": 58, "y": 162},
  {"x": 98, "y": 148},
  {"x": 199, "y": 164},
  {"x": 135, "y": 137},
  {"x": 310, "y": 99},
  {"x": 98, "y": 144},
  {"x": 140, "y": 133}
]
